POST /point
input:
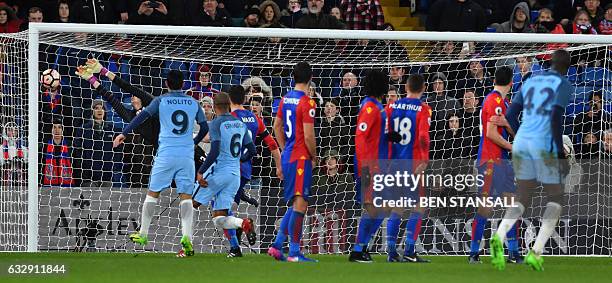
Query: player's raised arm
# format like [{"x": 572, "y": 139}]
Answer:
[{"x": 279, "y": 125}]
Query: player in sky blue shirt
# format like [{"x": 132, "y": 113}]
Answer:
[
  {"x": 174, "y": 160},
  {"x": 538, "y": 154}
]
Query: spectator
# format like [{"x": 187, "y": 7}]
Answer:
[
  {"x": 333, "y": 131},
  {"x": 362, "y": 14},
  {"x": 293, "y": 13},
  {"x": 596, "y": 13},
  {"x": 212, "y": 15},
  {"x": 477, "y": 78},
  {"x": 57, "y": 164},
  {"x": 545, "y": 22},
  {"x": 207, "y": 105},
  {"x": 149, "y": 12},
  {"x": 259, "y": 110},
  {"x": 337, "y": 13},
  {"x": 590, "y": 121},
  {"x": 605, "y": 25},
  {"x": 392, "y": 96},
  {"x": 581, "y": 24},
  {"x": 251, "y": 18},
  {"x": 97, "y": 163},
  {"x": 332, "y": 195},
  {"x": 454, "y": 71},
  {"x": 350, "y": 98},
  {"x": 589, "y": 148},
  {"x": 519, "y": 20},
  {"x": 441, "y": 104},
  {"x": 13, "y": 157},
  {"x": 13, "y": 149},
  {"x": 269, "y": 15},
  {"x": 63, "y": 12},
  {"x": 256, "y": 86},
  {"x": 470, "y": 119},
  {"x": 204, "y": 86},
  {"x": 93, "y": 11},
  {"x": 397, "y": 78},
  {"x": 316, "y": 19},
  {"x": 456, "y": 15},
  {"x": 35, "y": 15},
  {"x": 587, "y": 155},
  {"x": 446, "y": 147},
  {"x": 315, "y": 94},
  {"x": 48, "y": 7},
  {"x": 523, "y": 69},
  {"x": 8, "y": 20}
]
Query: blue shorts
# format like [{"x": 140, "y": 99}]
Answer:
[
  {"x": 221, "y": 189},
  {"x": 298, "y": 179},
  {"x": 536, "y": 159},
  {"x": 181, "y": 170},
  {"x": 498, "y": 178}
]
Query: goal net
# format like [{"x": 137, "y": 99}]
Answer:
[{"x": 89, "y": 194}]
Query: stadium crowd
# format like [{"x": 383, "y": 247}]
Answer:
[{"x": 78, "y": 123}]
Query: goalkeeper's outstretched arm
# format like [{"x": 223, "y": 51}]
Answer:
[
  {"x": 95, "y": 66},
  {"x": 86, "y": 74}
]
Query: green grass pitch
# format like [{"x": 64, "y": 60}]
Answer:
[{"x": 148, "y": 268}]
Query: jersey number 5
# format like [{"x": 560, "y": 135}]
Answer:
[
  {"x": 288, "y": 124},
  {"x": 403, "y": 127},
  {"x": 179, "y": 119}
]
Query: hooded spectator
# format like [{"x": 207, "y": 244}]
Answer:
[
  {"x": 269, "y": 15},
  {"x": 519, "y": 22},
  {"x": 8, "y": 20},
  {"x": 441, "y": 104}
]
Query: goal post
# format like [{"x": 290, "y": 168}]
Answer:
[{"x": 234, "y": 55}]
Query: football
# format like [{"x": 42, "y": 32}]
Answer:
[{"x": 50, "y": 78}]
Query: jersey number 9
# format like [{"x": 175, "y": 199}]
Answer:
[{"x": 179, "y": 119}]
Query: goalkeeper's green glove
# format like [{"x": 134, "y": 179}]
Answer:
[
  {"x": 86, "y": 74},
  {"x": 94, "y": 65}
]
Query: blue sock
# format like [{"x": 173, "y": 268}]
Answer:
[
  {"x": 478, "y": 227},
  {"x": 362, "y": 232},
  {"x": 295, "y": 231},
  {"x": 512, "y": 237},
  {"x": 230, "y": 234},
  {"x": 413, "y": 228},
  {"x": 283, "y": 231},
  {"x": 376, "y": 222},
  {"x": 393, "y": 225}
]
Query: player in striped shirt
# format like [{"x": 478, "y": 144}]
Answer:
[
  {"x": 409, "y": 120},
  {"x": 256, "y": 128},
  {"x": 294, "y": 131},
  {"x": 371, "y": 145}
]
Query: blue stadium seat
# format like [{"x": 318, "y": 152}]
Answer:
[
  {"x": 594, "y": 76},
  {"x": 572, "y": 75}
]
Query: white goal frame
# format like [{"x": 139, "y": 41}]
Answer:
[{"x": 35, "y": 29}]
